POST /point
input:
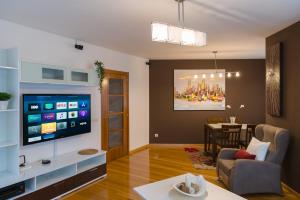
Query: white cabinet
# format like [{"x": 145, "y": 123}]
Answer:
[
  {"x": 85, "y": 77},
  {"x": 43, "y": 73},
  {"x": 39, "y": 73},
  {"x": 62, "y": 167},
  {"x": 9, "y": 118}
]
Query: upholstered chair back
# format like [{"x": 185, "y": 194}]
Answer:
[{"x": 279, "y": 139}]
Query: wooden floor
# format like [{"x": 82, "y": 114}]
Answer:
[{"x": 153, "y": 164}]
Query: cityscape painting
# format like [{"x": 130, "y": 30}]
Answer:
[{"x": 199, "y": 89}]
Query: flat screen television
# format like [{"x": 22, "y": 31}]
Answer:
[{"x": 52, "y": 116}]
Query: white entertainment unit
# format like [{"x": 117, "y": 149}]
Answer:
[
  {"x": 66, "y": 172},
  {"x": 63, "y": 167}
]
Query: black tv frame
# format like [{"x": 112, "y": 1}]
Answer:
[{"x": 25, "y": 143}]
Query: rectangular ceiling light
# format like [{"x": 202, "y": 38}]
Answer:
[
  {"x": 177, "y": 35},
  {"x": 159, "y": 32}
]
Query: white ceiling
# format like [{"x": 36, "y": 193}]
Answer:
[{"x": 236, "y": 28}]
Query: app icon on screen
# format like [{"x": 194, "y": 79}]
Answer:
[
  {"x": 73, "y": 114},
  {"x": 34, "y": 118},
  {"x": 48, "y": 128},
  {"x": 73, "y": 104},
  {"x": 61, "y": 125},
  {"x": 34, "y": 130},
  {"x": 83, "y": 113},
  {"x": 34, "y": 139},
  {"x": 48, "y": 136},
  {"x": 83, "y": 123},
  {"x": 49, "y": 106},
  {"x": 61, "y": 105},
  {"x": 48, "y": 117},
  {"x": 83, "y": 104},
  {"x": 34, "y": 107},
  {"x": 61, "y": 115},
  {"x": 72, "y": 124}
]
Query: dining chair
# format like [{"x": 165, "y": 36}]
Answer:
[
  {"x": 213, "y": 120},
  {"x": 229, "y": 137},
  {"x": 246, "y": 138}
]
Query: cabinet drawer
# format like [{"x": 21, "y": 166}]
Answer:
[
  {"x": 90, "y": 175},
  {"x": 63, "y": 186},
  {"x": 66, "y": 185},
  {"x": 44, "y": 193},
  {"x": 51, "y": 191}
]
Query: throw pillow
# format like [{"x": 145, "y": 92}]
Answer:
[
  {"x": 243, "y": 154},
  {"x": 258, "y": 148}
]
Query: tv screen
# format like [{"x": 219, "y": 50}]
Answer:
[{"x": 52, "y": 116}]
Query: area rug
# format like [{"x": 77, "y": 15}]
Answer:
[{"x": 199, "y": 160}]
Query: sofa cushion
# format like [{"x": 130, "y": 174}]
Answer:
[
  {"x": 226, "y": 165},
  {"x": 258, "y": 148},
  {"x": 243, "y": 154}
]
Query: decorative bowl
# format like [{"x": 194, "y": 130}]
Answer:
[{"x": 198, "y": 180}]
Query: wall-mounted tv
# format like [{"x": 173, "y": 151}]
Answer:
[{"x": 52, "y": 116}]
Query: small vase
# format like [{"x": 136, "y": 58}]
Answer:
[
  {"x": 232, "y": 120},
  {"x": 3, "y": 105}
]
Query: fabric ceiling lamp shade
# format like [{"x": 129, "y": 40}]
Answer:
[
  {"x": 200, "y": 38},
  {"x": 176, "y": 35},
  {"x": 159, "y": 32},
  {"x": 188, "y": 37}
]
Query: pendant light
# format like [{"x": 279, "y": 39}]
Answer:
[
  {"x": 162, "y": 32},
  {"x": 220, "y": 74}
]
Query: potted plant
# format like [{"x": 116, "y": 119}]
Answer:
[
  {"x": 232, "y": 114},
  {"x": 4, "y": 98},
  {"x": 100, "y": 72}
]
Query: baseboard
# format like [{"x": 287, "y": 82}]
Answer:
[
  {"x": 139, "y": 149},
  {"x": 174, "y": 145},
  {"x": 290, "y": 189}
]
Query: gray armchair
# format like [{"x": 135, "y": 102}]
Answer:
[{"x": 252, "y": 176}]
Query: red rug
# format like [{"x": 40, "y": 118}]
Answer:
[{"x": 199, "y": 160}]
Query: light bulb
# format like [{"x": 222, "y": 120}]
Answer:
[
  {"x": 229, "y": 75},
  {"x": 237, "y": 74},
  {"x": 212, "y": 76},
  {"x": 220, "y": 75},
  {"x": 195, "y": 76},
  {"x": 203, "y": 76}
]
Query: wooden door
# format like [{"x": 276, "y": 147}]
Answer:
[{"x": 115, "y": 117}]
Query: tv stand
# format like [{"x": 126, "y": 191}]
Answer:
[{"x": 65, "y": 173}]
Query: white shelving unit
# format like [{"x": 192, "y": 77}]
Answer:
[
  {"x": 64, "y": 166},
  {"x": 36, "y": 176},
  {"x": 9, "y": 119},
  {"x": 50, "y": 74}
]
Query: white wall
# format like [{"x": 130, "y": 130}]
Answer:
[{"x": 43, "y": 47}]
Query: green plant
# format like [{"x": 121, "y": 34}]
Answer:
[
  {"x": 100, "y": 72},
  {"x": 4, "y": 96}
]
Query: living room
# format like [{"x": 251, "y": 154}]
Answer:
[{"x": 110, "y": 100}]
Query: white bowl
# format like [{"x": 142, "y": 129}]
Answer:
[{"x": 198, "y": 180}]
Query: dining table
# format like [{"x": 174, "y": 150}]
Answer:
[{"x": 210, "y": 133}]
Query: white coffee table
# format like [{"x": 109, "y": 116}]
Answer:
[{"x": 162, "y": 190}]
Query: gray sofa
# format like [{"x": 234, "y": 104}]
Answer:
[{"x": 251, "y": 176}]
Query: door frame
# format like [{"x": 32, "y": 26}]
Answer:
[{"x": 105, "y": 105}]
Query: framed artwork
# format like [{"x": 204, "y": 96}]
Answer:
[
  {"x": 199, "y": 89},
  {"x": 273, "y": 87}
]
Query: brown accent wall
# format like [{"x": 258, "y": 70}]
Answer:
[
  {"x": 290, "y": 61},
  {"x": 187, "y": 126}
]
